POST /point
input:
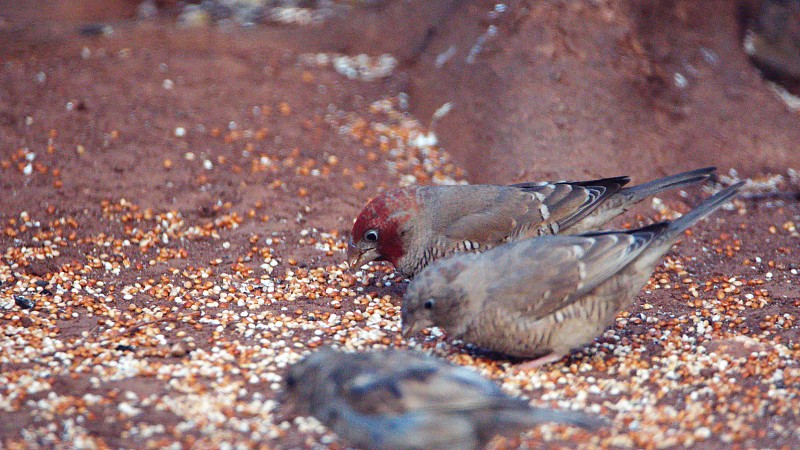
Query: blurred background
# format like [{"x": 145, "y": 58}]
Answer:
[{"x": 520, "y": 89}]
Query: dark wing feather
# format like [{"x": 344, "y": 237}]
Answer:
[
  {"x": 569, "y": 202},
  {"x": 494, "y": 214},
  {"x": 556, "y": 271},
  {"x": 486, "y": 214},
  {"x": 611, "y": 256},
  {"x": 398, "y": 384}
]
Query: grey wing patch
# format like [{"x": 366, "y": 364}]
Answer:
[
  {"x": 557, "y": 206},
  {"x": 536, "y": 278},
  {"x": 494, "y": 223},
  {"x": 611, "y": 253},
  {"x": 476, "y": 226},
  {"x": 540, "y": 217},
  {"x": 570, "y": 202},
  {"x": 366, "y": 382},
  {"x": 561, "y": 269},
  {"x": 593, "y": 196},
  {"x": 449, "y": 389}
]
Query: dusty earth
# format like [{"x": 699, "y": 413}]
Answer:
[{"x": 175, "y": 203}]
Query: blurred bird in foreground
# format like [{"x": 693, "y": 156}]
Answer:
[
  {"x": 542, "y": 297},
  {"x": 398, "y": 399},
  {"x": 411, "y": 227}
]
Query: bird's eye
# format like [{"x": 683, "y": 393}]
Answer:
[
  {"x": 371, "y": 236},
  {"x": 429, "y": 303}
]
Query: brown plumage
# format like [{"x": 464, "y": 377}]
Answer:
[
  {"x": 397, "y": 399},
  {"x": 543, "y": 297},
  {"x": 413, "y": 226}
]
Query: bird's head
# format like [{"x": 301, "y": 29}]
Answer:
[
  {"x": 381, "y": 229},
  {"x": 301, "y": 384},
  {"x": 433, "y": 299}
]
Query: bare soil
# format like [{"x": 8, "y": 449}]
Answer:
[{"x": 561, "y": 90}]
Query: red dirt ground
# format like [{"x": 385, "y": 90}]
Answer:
[{"x": 563, "y": 90}]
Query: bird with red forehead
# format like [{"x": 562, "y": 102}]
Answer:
[{"x": 412, "y": 226}]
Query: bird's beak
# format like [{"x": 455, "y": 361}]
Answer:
[
  {"x": 411, "y": 328},
  {"x": 357, "y": 257},
  {"x": 287, "y": 410}
]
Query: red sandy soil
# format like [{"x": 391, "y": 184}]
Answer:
[{"x": 564, "y": 90}]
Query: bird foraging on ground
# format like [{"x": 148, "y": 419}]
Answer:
[
  {"x": 540, "y": 298},
  {"x": 397, "y": 399},
  {"x": 411, "y": 227}
]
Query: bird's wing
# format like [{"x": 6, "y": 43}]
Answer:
[
  {"x": 455, "y": 388},
  {"x": 566, "y": 203},
  {"x": 491, "y": 215},
  {"x": 549, "y": 273},
  {"x": 401, "y": 384},
  {"x": 485, "y": 214},
  {"x": 376, "y": 387}
]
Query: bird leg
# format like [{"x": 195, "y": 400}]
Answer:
[{"x": 539, "y": 362}]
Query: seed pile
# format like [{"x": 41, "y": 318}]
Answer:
[{"x": 127, "y": 326}]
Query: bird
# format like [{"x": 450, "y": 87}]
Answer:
[
  {"x": 402, "y": 399},
  {"x": 412, "y": 226},
  {"x": 771, "y": 38},
  {"x": 540, "y": 298}
]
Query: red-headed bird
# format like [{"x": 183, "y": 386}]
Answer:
[{"x": 411, "y": 227}]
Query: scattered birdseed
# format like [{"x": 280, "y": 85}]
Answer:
[{"x": 174, "y": 327}]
